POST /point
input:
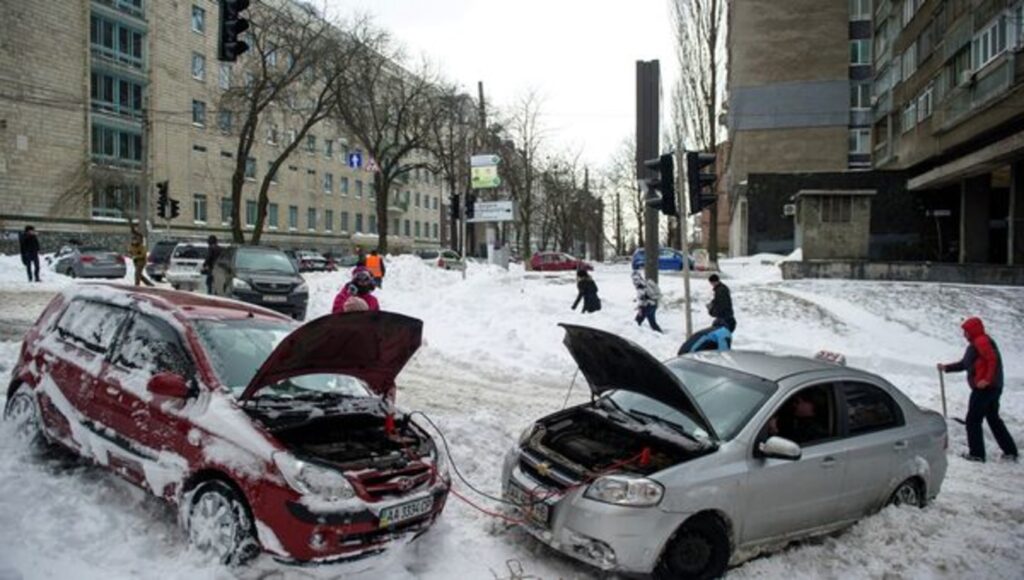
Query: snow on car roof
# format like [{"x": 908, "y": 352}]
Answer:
[{"x": 187, "y": 304}]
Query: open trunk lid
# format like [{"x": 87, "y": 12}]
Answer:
[
  {"x": 611, "y": 362},
  {"x": 371, "y": 346}
]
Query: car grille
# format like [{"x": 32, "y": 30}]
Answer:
[
  {"x": 272, "y": 287},
  {"x": 546, "y": 472},
  {"x": 399, "y": 482}
]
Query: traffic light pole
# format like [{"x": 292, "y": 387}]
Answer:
[{"x": 684, "y": 236}]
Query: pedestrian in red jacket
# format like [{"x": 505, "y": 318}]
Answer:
[
  {"x": 984, "y": 367},
  {"x": 357, "y": 295}
]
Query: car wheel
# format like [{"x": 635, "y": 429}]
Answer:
[
  {"x": 71, "y": 273},
  {"x": 699, "y": 551},
  {"x": 23, "y": 413},
  {"x": 219, "y": 524},
  {"x": 908, "y": 493}
]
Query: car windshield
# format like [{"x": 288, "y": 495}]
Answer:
[
  {"x": 728, "y": 398},
  {"x": 264, "y": 260},
  {"x": 163, "y": 249},
  {"x": 191, "y": 252},
  {"x": 428, "y": 254}
]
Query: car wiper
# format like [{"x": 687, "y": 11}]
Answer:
[{"x": 665, "y": 422}]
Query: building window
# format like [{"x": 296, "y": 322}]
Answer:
[
  {"x": 925, "y": 103},
  {"x": 250, "y": 168},
  {"x": 910, "y": 9},
  {"x": 836, "y": 209},
  {"x": 407, "y": 229},
  {"x": 395, "y": 227},
  {"x": 311, "y": 219},
  {"x": 860, "y": 141},
  {"x": 115, "y": 95},
  {"x": 115, "y": 202},
  {"x": 328, "y": 182},
  {"x": 990, "y": 42},
  {"x": 371, "y": 223},
  {"x": 199, "y": 208},
  {"x": 310, "y": 144},
  {"x": 417, "y": 199},
  {"x": 329, "y": 220},
  {"x": 115, "y": 41},
  {"x": 359, "y": 223},
  {"x": 860, "y": 95},
  {"x": 435, "y": 204},
  {"x": 328, "y": 148},
  {"x": 198, "y": 19},
  {"x": 343, "y": 185},
  {"x": 198, "y": 113},
  {"x": 224, "y": 121},
  {"x": 344, "y": 221},
  {"x": 860, "y": 9},
  {"x": 909, "y": 117},
  {"x": 250, "y": 213},
  {"x": 436, "y": 236},
  {"x": 311, "y": 179},
  {"x": 293, "y": 217},
  {"x": 359, "y": 189},
  {"x": 115, "y": 145},
  {"x": 224, "y": 76},
  {"x": 272, "y": 216},
  {"x": 272, "y": 135},
  {"x": 417, "y": 228},
  {"x": 198, "y": 66},
  {"x": 225, "y": 211},
  {"x": 860, "y": 52},
  {"x": 909, "y": 61},
  {"x": 272, "y": 172}
]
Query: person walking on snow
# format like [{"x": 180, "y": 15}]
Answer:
[
  {"x": 212, "y": 254},
  {"x": 587, "y": 292},
  {"x": 375, "y": 264},
  {"x": 28, "y": 243},
  {"x": 357, "y": 295},
  {"x": 137, "y": 253},
  {"x": 647, "y": 296},
  {"x": 720, "y": 307},
  {"x": 984, "y": 367}
]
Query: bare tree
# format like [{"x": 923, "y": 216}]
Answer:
[
  {"x": 621, "y": 178},
  {"x": 390, "y": 111},
  {"x": 450, "y": 145},
  {"x": 284, "y": 78},
  {"x": 696, "y": 98},
  {"x": 519, "y": 144}
]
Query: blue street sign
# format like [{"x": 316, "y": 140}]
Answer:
[{"x": 355, "y": 160}]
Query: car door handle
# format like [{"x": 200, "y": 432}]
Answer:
[
  {"x": 829, "y": 462},
  {"x": 900, "y": 445}
]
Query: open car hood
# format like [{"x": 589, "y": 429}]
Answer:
[
  {"x": 611, "y": 362},
  {"x": 372, "y": 346}
]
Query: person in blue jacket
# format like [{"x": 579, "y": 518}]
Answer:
[{"x": 711, "y": 338}]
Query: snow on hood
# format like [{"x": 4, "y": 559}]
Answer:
[
  {"x": 611, "y": 362},
  {"x": 371, "y": 346}
]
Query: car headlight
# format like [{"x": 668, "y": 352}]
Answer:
[
  {"x": 322, "y": 483},
  {"x": 625, "y": 490},
  {"x": 302, "y": 288},
  {"x": 239, "y": 284},
  {"x": 524, "y": 437}
]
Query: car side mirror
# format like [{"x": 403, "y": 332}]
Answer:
[
  {"x": 779, "y": 448},
  {"x": 169, "y": 385}
]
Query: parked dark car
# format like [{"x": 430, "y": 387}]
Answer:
[
  {"x": 668, "y": 259},
  {"x": 212, "y": 405},
  {"x": 557, "y": 261},
  {"x": 159, "y": 259},
  {"x": 263, "y": 276}
]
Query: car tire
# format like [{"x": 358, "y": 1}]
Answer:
[
  {"x": 699, "y": 550},
  {"x": 908, "y": 493},
  {"x": 219, "y": 524},
  {"x": 71, "y": 273},
  {"x": 22, "y": 411}
]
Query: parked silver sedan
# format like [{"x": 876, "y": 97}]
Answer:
[
  {"x": 89, "y": 262},
  {"x": 683, "y": 467}
]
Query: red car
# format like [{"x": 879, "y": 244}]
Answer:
[
  {"x": 556, "y": 261},
  {"x": 268, "y": 436}
]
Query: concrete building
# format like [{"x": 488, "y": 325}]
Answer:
[
  {"x": 950, "y": 112},
  {"x": 799, "y": 83},
  {"x": 73, "y": 150}
]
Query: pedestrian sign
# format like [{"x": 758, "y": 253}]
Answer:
[{"x": 355, "y": 160}]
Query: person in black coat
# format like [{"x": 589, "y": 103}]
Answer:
[
  {"x": 28, "y": 243},
  {"x": 212, "y": 254},
  {"x": 720, "y": 307},
  {"x": 587, "y": 292}
]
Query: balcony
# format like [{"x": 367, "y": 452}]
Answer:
[{"x": 397, "y": 205}]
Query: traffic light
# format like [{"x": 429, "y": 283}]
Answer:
[
  {"x": 453, "y": 207},
  {"x": 175, "y": 209},
  {"x": 665, "y": 182},
  {"x": 470, "y": 202},
  {"x": 232, "y": 25},
  {"x": 701, "y": 178},
  {"x": 162, "y": 199}
]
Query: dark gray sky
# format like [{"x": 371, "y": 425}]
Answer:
[{"x": 578, "y": 54}]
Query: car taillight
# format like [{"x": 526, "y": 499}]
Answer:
[
  {"x": 440, "y": 262},
  {"x": 88, "y": 259}
]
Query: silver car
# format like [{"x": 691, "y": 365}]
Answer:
[
  {"x": 89, "y": 262},
  {"x": 680, "y": 468},
  {"x": 185, "y": 268}
]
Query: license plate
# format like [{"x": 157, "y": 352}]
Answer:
[
  {"x": 528, "y": 505},
  {"x": 399, "y": 513},
  {"x": 275, "y": 299}
]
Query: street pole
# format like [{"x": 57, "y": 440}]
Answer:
[
  {"x": 145, "y": 202},
  {"x": 684, "y": 237},
  {"x": 648, "y": 95}
]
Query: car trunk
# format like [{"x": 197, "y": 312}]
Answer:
[{"x": 586, "y": 441}]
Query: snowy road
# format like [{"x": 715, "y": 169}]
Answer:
[{"x": 493, "y": 360}]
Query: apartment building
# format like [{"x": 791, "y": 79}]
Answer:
[
  {"x": 949, "y": 111},
  {"x": 75, "y": 155}
]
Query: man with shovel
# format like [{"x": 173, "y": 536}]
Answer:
[{"x": 984, "y": 368}]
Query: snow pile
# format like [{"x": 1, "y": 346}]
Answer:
[{"x": 493, "y": 360}]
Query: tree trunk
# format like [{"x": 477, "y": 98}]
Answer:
[{"x": 380, "y": 186}]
